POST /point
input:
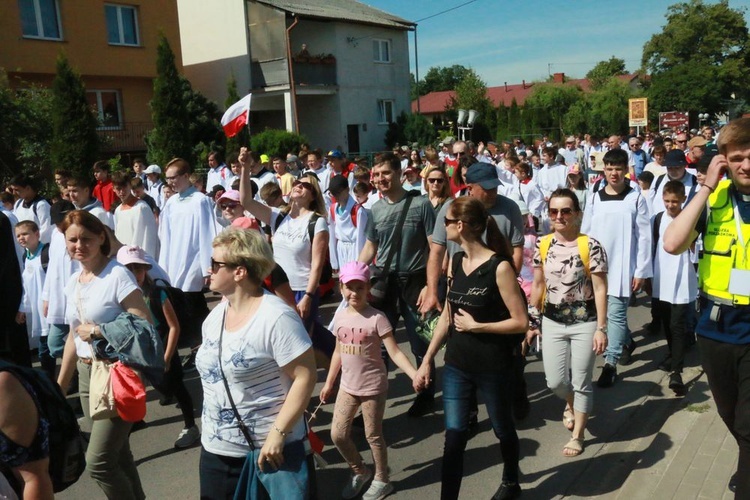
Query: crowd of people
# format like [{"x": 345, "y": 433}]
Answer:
[{"x": 484, "y": 250}]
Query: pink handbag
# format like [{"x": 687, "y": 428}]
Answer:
[{"x": 129, "y": 393}]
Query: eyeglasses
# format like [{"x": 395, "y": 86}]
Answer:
[
  {"x": 228, "y": 206},
  {"x": 563, "y": 211},
  {"x": 216, "y": 265},
  {"x": 680, "y": 142},
  {"x": 304, "y": 184},
  {"x": 449, "y": 221},
  {"x": 437, "y": 180},
  {"x": 173, "y": 177}
]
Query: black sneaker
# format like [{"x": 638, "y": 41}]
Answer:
[
  {"x": 608, "y": 376},
  {"x": 627, "y": 354},
  {"x": 666, "y": 364},
  {"x": 507, "y": 491},
  {"x": 675, "y": 383},
  {"x": 423, "y": 404},
  {"x": 733, "y": 483}
]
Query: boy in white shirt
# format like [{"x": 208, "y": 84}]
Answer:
[
  {"x": 36, "y": 259},
  {"x": 675, "y": 287}
]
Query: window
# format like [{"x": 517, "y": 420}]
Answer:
[
  {"x": 122, "y": 25},
  {"x": 381, "y": 51},
  {"x": 106, "y": 105},
  {"x": 385, "y": 109},
  {"x": 40, "y": 19}
]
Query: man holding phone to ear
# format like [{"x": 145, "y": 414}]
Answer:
[{"x": 724, "y": 281}]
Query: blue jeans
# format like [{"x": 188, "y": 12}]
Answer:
[
  {"x": 618, "y": 333},
  {"x": 458, "y": 388},
  {"x": 56, "y": 339}
]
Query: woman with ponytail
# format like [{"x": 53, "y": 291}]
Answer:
[{"x": 484, "y": 315}]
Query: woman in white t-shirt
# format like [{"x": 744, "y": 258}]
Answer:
[
  {"x": 301, "y": 256},
  {"x": 258, "y": 372},
  {"x": 96, "y": 295}
]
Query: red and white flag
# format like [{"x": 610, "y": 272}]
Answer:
[{"x": 236, "y": 117}]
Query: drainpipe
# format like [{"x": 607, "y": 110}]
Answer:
[{"x": 292, "y": 89}]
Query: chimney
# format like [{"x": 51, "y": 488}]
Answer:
[
  {"x": 506, "y": 86},
  {"x": 558, "y": 77},
  {"x": 523, "y": 84}
]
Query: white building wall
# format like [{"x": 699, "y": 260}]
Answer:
[{"x": 213, "y": 40}]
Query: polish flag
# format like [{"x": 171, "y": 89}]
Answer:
[{"x": 236, "y": 117}]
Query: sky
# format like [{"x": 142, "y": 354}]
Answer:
[{"x": 511, "y": 40}]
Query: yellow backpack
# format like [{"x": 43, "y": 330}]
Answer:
[{"x": 583, "y": 250}]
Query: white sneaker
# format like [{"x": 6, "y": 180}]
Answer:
[
  {"x": 187, "y": 437},
  {"x": 355, "y": 484},
  {"x": 378, "y": 490}
]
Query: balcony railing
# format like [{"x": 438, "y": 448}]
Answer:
[
  {"x": 130, "y": 137},
  {"x": 308, "y": 72}
]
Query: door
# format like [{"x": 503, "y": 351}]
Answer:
[{"x": 352, "y": 134}]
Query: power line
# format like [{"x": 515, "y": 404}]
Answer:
[{"x": 445, "y": 11}]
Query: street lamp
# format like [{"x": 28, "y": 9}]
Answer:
[{"x": 466, "y": 121}]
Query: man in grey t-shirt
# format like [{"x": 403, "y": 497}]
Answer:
[{"x": 407, "y": 273}]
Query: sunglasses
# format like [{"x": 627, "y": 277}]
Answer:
[
  {"x": 436, "y": 181},
  {"x": 448, "y": 221},
  {"x": 680, "y": 142},
  {"x": 230, "y": 206},
  {"x": 304, "y": 184},
  {"x": 216, "y": 265},
  {"x": 564, "y": 211}
]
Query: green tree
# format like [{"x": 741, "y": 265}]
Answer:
[
  {"x": 439, "y": 78},
  {"x": 170, "y": 137},
  {"x": 550, "y": 102},
  {"x": 502, "y": 131},
  {"x": 514, "y": 120},
  {"x": 277, "y": 142},
  {"x": 604, "y": 71},
  {"x": 204, "y": 124},
  {"x": 419, "y": 129},
  {"x": 74, "y": 143},
  {"x": 699, "y": 59},
  {"x": 243, "y": 138}
]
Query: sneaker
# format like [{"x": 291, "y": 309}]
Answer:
[
  {"x": 733, "y": 483},
  {"x": 378, "y": 490},
  {"x": 675, "y": 383},
  {"x": 666, "y": 364},
  {"x": 423, "y": 404},
  {"x": 627, "y": 354},
  {"x": 507, "y": 491},
  {"x": 187, "y": 437},
  {"x": 608, "y": 376},
  {"x": 355, "y": 484}
]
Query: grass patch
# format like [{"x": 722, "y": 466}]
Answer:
[{"x": 701, "y": 408}]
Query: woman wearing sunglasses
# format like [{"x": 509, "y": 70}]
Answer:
[
  {"x": 298, "y": 250},
  {"x": 570, "y": 287},
  {"x": 437, "y": 187}
]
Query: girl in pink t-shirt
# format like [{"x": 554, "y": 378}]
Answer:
[{"x": 359, "y": 330}]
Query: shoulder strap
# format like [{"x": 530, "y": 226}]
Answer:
[
  {"x": 693, "y": 189},
  {"x": 311, "y": 226},
  {"x": 544, "y": 245},
  {"x": 597, "y": 185},
  {"x": 583, "y": 250},
  {"x": 655, "y": 234},
  {"x": 240, "y": 423},
  {"x": 396, "y": 243},
  {"x": 355, "y": 209},
  {"x": 279, "y": 219},
  {"x": 658, "y": 182},
  {"x": 44, "y": 257}
]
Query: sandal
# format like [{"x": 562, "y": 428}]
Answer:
[
  {"x": 568, "y": 419},
  {"x": 574, "y": 447}
]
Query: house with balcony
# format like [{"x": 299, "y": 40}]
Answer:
[
  {"x": 111, "y": 44},
  {"x": 336, "y": 71}
]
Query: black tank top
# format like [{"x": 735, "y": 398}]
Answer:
[{"x": 478, "y": 295}]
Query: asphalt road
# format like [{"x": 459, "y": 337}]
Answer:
[{"x": 624, "y": 416}]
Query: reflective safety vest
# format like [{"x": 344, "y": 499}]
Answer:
[{"x": 722, "y": 249}]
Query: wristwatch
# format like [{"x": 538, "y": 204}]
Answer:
[{"x": 602, "y": 329}]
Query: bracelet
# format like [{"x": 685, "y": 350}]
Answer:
[
  {"x": 283, "y": 434},
  {"x": 708, "y": 187},
  {"x": 309, "y": 294}
]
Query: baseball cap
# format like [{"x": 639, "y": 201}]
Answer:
[
  {"x": 570, "y": 139},
  {"x": 245, "y": 223},
  {"x": 59, "y": 210},
  {"x": 574, "y": 169},
  {"x": 132, "y": 255},
  {"x": 152, "y": 169},
  {"x": 483, "y": 174},
  {"x": 264, "y": 158},
  {"x": 230, "y": 195},
  {"x": 337, "y": 184},
  {"x": 675, "y": 158},
  {"x": 292, "y": 159},
  {"x": 335, "y": 153},
  {"x": 697, "y": 141},
  {"x": 354, "y": 271},
  {"x": 449, "y": 140}
]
